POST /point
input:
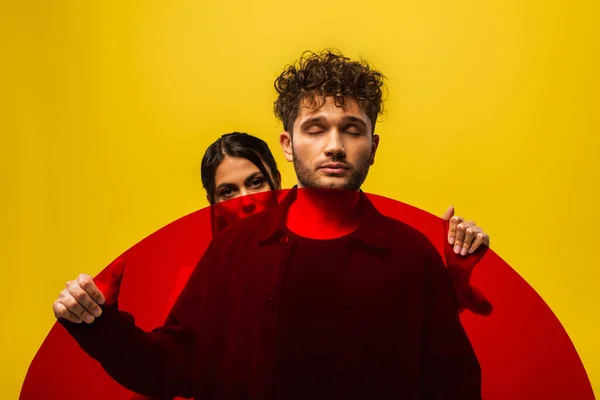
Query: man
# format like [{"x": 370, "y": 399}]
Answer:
[{"x": 321, "y": 297}]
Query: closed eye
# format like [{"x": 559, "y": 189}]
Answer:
[{"x": 353, "y": 130}]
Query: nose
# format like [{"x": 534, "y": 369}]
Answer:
[
  {"x": 335, "y": 145},
  {"x": 248, "y": 205}
]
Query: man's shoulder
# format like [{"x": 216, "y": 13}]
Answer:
[{"x": 403, "y": 235}]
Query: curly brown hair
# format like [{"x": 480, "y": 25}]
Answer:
[{"x": 316, "y": 76}]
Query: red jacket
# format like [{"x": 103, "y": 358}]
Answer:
[{"x": 399, "y": 331}]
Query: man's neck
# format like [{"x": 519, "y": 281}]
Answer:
[{"x": 323, "y": 213}]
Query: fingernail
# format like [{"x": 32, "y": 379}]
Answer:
[
  {"x": 463, "y": 252},
  {"x": 97, "y": 312},
  {"x": 101, "y": 301},
  {"x": 471, "y": 250},
  {"x": 451, "y": 240},
  {"x": 457, "y": 249},
  {"x": 89, "y": 319}
]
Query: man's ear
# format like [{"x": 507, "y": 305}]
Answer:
[
  {"x": 375, "y": 145},
  {"x": 285, "y": 140}
]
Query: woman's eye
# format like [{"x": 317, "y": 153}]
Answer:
[
  {"x": 256, "y": 183},
  {"x": 227, "y": 192}
]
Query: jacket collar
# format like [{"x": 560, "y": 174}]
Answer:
[{"x": 373, "y": 228}]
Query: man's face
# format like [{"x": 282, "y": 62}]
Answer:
[{"x": 331, "y": 147}]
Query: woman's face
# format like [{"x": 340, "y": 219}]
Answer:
[{"x": 235, "y": 179}]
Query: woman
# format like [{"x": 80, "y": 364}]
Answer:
[
  {"x": 240, "y": 176},
  {"x": 234, "y": 166}
]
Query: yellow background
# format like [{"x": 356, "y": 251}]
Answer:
[{"x": 107, "y": 108}]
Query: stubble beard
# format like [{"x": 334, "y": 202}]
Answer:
[{"x": 308, "y": 178}]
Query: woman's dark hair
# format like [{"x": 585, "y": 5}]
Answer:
[{"x": 237, "y": 144}]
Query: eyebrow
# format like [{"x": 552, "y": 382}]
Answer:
[
  {"x": 347, "y": 118},
  {"x": 311, "y": 121},
  {"x": 350, "y": 118},
  {"x": 247, "y": 180}
]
